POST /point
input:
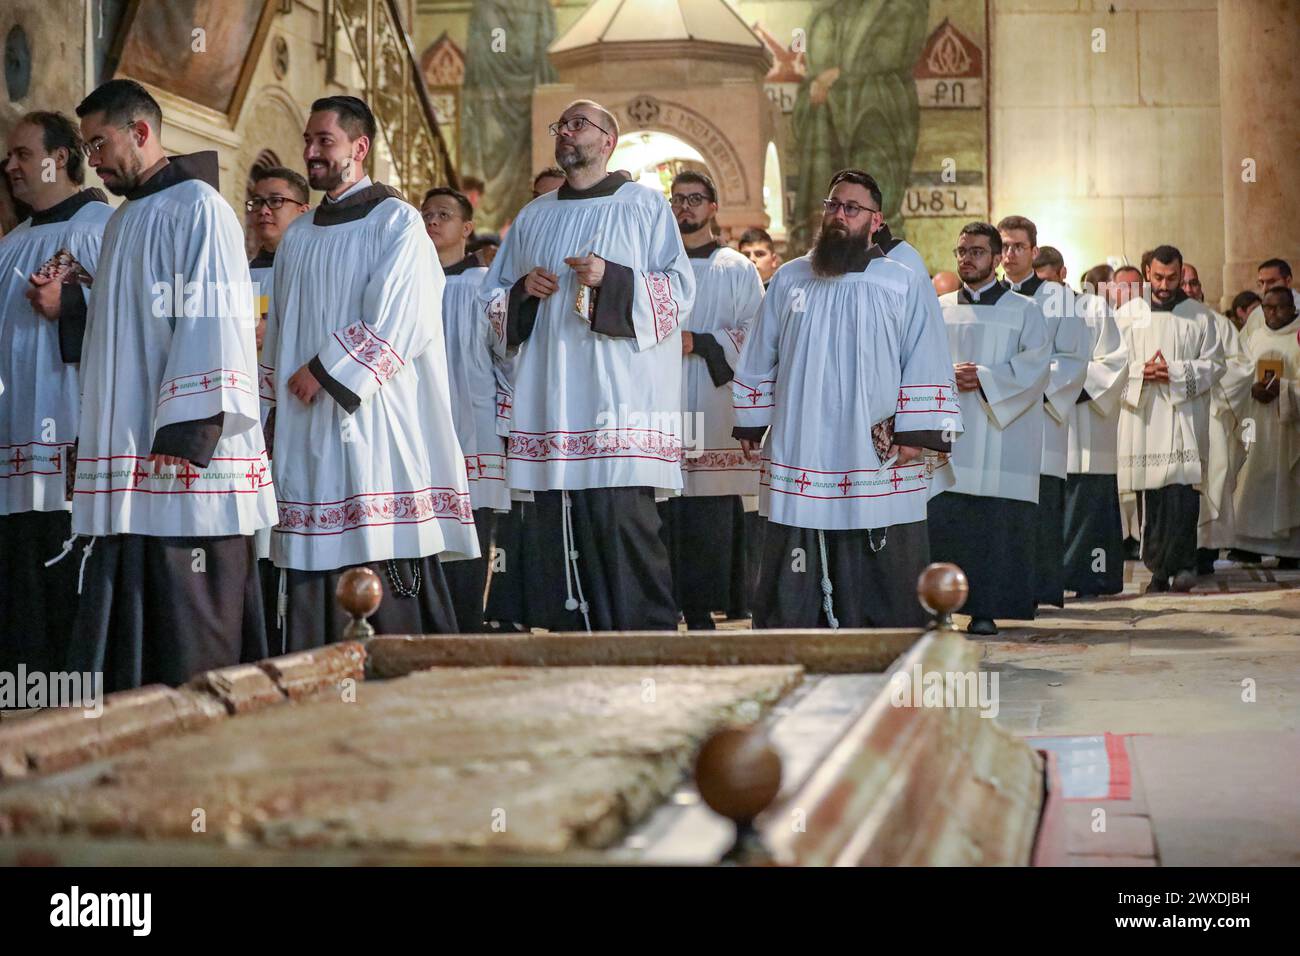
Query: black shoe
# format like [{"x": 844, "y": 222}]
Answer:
[
  {"x": 1184, "y": 581},
  {"x": 1205, "y": 558},
  {"x": 1156, "y": 586},
  {"x": 700, "y": 622},
  {"x": 1132, "y": 549},
  {"x": 1288, "y": 564},
  {"x": 982, "y": 625},
  {"x": 1242, "y": 556}
]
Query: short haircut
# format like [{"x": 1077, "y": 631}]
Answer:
[
  {"x": 1097, "y": 275},
  {"x": 1020, "y": 222},
  {"x": 691, "y": 176},
  {"x": 1278, "y": 290},
  {"x": 1281, "y": 265},
  {"x": 860, "y": 178},
  {"x": 297, "y": 185},
  {"x": 756, "y": 236},
  {"x": 122, "y": 102},
  {"x": 1245, "y": 300},
  {"x": 462, "y": 201},
  {"x": 608, "y": 121},
  {"x": 1146, "y": 260},
  {"x": 986, "y": 229},
  {"x": 354, "y": 115},
  {"x": 1128, "y": 269},
  {"x": 1167, "y": 255},
  {"x": 549, "y": 172},
  {"x": 58, "y": 131},
  {"x": 1049, "y": 256}
]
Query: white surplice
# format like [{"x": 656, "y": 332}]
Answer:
[
  {"x": 1000, "y": 455},
  {"x": 39, "y": 416},
  {"x": 829, "y": 359},
  {"x": 1164, "y": 428},
  {"x": 1094, "y": 423},
  {"x": 386, "y": 481},
  {"x": 475, "y": 380},
  {"x": 592, "y": 410},
  {"x": 728, "y": 295},
  {"x": 1070, "y": 340},
  {"x": 169, "y": 340},
  {"x": 1267, "y": 498},
  {"x": 1217, "y": 527}
]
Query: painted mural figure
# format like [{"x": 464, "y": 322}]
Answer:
[
  {"x": 505, "y": 60},
  {"x": 858, "y": 105}
]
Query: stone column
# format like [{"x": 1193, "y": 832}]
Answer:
[{"x": 1259, "y": 89}]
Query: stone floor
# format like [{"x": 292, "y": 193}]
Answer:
[{"x": 1206, "y": 688}]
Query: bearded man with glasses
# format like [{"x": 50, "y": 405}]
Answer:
[
  {"x": 845, "y": 393},
  {"x": 589, "y": 292}
]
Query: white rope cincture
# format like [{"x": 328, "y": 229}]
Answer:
[
  {"x": 85, "y": 556},
  {"x": 67, "y": 549},
  {"x": 827, "y": 604},
  {"x": 282, "y": 600},
  {"x": 571, "y": 575}
]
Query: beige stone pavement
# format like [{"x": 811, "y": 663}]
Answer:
[{"x": 1208, "y": 684}]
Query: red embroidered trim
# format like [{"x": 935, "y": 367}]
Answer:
[
  {"x": 750, "y": 396},
  {"x": 801, "y": 481},
  {"x": 595, "y": 443},
  {"x": 737, "y": 337},
  {"x": 663, "y": 306},
  {"x": 720, "y": 459},
  {"x": 12, "y": 457},
  {"x": 374, "y": 510},
  {"x": 932, "y": 403},
  {"x": 366, "y": 347},
  {"x": 200, "y": 383},
  {"x": 489, "y": 467}
]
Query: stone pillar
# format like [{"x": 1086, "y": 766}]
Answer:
[{"x": 1259, "y": 87}]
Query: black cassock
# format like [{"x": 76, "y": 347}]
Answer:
[
  {"x": 1049, "y": 569},
  {"x": 1170, "y": 517},
  {"x": 705, "y": 538},
  {"x": 872, "y": 573},
  {"x": 624, "y": 581},
  {"x": 994, "y": 541},
  {"x": 467, "y": 579},
  {"x": 1092, "y": 521},
  {"x": 37, "y": 603}
]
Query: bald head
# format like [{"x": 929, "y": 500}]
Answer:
[
  {"x": 945, "y": 282},
  {"x": 585, "y": 136}
]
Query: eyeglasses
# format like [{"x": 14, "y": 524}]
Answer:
[
  {"x": 99, "y": 142},
  {"x": 851, "y": 209},
  {"x": 1015, "y": 247},
  {"x": 975, "y": 252},
  {"x": 693, "y": 200},
  {"x": 441, "y": 215},
  {"x": 274, "y": 202},
  {"x": 574, "y": 125}
]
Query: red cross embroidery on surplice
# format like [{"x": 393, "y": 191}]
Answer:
[
  {"x": 57, "y": 460},
  {"x": 895, "y": 479},
  {"x": 188, "y": 476},
  {"x": 503, "y": 406},
  {"x": 471, "y": 466},
  {"x": 233, "y": 380},
  {"x": 802, "y": 482},
  {"x": 902, "y": 399},
  {"x": 138, "y": 475},
  {"x": 253, "y": 475},
  {"x": 173, "y": 388},
  {"x": 18, "y": 460},
  {"x": 939, "y": 399},
  {"x": 845, "y": 485},
  {"x": 205, "y": 381},
  {"x": 754, "y": 396}
]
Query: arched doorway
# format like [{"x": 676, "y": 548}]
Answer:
[{"x": 654, "y": 158}]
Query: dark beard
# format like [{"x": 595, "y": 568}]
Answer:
[
  {"x": 327, "y": 181},
  {"x": 836, "y": 252},
  {"x": 689, "y": 227}
]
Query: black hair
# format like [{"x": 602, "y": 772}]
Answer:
[
  {"x": 122, "y": 102},
  {"x": 1281, "y": 265},
  {"x": 466, "y": 207},
  {"x": 354, "y": 115},
  {"x": 859, "y": 178},
  {"x": 986, "y": 229},
  {"x": 59, "y": 132},
  {"x": 700, "y": 179},
  {"x": 756, "y": 236},
  {"x": 1167, "y": 255},
  {"x": 296, "y": 182}
]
